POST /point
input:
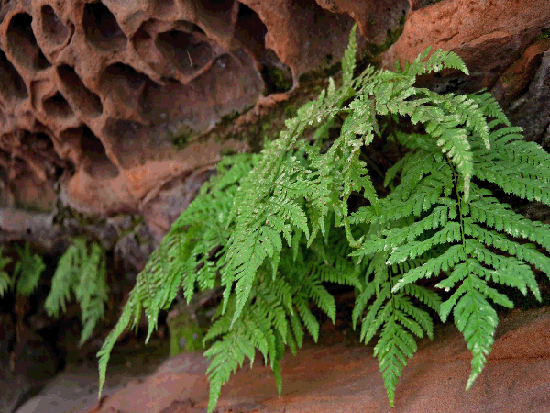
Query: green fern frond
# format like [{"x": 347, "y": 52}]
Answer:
[
  {"x": 490, "y": 107},
  {"x": 92, "y": 292},
  {"x": 27, "y": 271},
  {"x": 438, "y": 61},
  {"x": 266, "y": 326},
  {"x": 525, "y": 252},
  {"x": 131, "y": 311},
  {"x": 475, "y": 318},
  {"x": 81, "y": 273},
  {"x": 5, "y": 283},
  {"x": 348, "y": 61},
  {"x": 399, "y": 320},
  {"x": 5, "y": 279},
  {"x": 64, "y": 278},
  {"x": 489, "y": 211},
  {"x": 436, "y": 221}
]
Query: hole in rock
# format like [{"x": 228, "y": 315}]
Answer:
[
  {"x": 129, "y": 140},
  {"x": 101, "y": 28},
  {"x": 57, "y": 106},
  {"x": 216, "y": 10},
  {"x": 250, "y": 29},
  {"x": 154, "y": 103},
  {"x": 202, "y": 102},
  {"x": 42, "y": 145},
  {"x": 11, "y": 82},
  {"x": 96, "y": 162},
  {"x": 185, "y": 50},
  {"x": 276, "y": 75},
  {"x": 142, "y": 43},
  {"x": 88, "y": 102},
  {"x": 22, "y": 43},
  {"x": 52, "y": 27},
  {"x": 121, "y": 79},
  {"x": 142, "y": 36}
]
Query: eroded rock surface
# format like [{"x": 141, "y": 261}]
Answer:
[
  {"x": 503, "y": 43},
  {"x": 101, "y": 101},
  {"x": 339, "y": 376},
  {"x": 26, "y": 363},
  {"x": 104, "y": 104}
]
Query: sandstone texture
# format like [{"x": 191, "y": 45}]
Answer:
[
  {"x": 339, "y": 376},
  {"x": 505, "y": 45},
  {"x": 102, "y": 104}
]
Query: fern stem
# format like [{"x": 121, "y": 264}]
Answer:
[{"x": 458, "y": 202}]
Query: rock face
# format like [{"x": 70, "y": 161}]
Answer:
[
  {"x": 340, "y": 377},
  {"x": 101, "y": 101},
  {"x": 25, "y": 364},
  {"x": 503, "y": 44}
]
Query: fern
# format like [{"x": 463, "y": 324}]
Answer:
[
  {"x": 272, "y": 229},
  {"x": 464, "y": 230},
  {"x": 27, "y": 271},
  {"x": 5, "y": 279},
  {"x": 81, "y": 273}
]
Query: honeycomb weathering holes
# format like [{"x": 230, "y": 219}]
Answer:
[
  {"x": 57, "y": 106},
  {"x": 88, "y": 102},
  {"x": 220, "y": 10},
  {"x": 129, "y": 141},
  {"x": 250, "y": 30},
  {"x": 101, "y": 28},
  {"x": 11, "y": 83},
  {"x": 96, "y": 163},
  {"x": 22, "y": 43},
  {"x": 119, "y": 77},
  {"x": 52, "y": 27},
  {"x": 184, "y": 50}
]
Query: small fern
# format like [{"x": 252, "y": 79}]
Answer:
[
  {"x": 273, "y": 228},
  {"x": 5, "y": 279},
  {"x": 27, "y": 271},
  {"x": 81, "y": 272}
]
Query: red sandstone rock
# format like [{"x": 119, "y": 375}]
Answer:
[
  {"x": 488, "y": 35},
  {"x": 105, "y": 85},
  {"x": 335, "y": 377}
]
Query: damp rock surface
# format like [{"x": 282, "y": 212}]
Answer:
[{"x": 340, "y": 375}]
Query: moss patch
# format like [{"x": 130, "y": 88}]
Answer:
[
  {"x": 545, "y": 34},
  {"x": 277, "y": 80},
  {"x": 185, "y": 333},
  {"x": 181, "y": 138}
]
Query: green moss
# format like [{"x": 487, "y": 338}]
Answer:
[
  {"x": 227, "y": 152},
  {"x": 291, "y": 111},
  {"x": 431, "y": 2},
  {"x": 136, "y": 221},
  {"x": 323, "y": 73},
  {"x": 276, "y": 79},
  {"x": 545, "y": 34},
  {"x": 391, "y": 38},
  {"x": 181, "y": 138},
  {"x": 185, "y": 332},
  {"x": 84, "y": 220}
]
